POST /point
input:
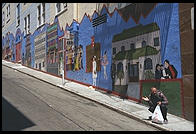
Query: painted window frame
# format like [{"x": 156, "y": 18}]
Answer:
[
  {"x": 122, "y": 48},
  {"x": 155, "y": 43},
  {"x": 148, "y": 64},
  {"x": 41, "y": 14},
  {"x": 8, "y": 13},
  {"x": 144, "y": 44},
  {"x": 63, "y": 8},
  {"x": 18, "y": 15},
  {"x": 27, "y": 24},
  {"x": 132, "y": 46},
  {"x": 3, "y": 19}
]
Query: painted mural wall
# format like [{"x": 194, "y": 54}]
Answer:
[
  {"x": 137, "y": 43},
  {"x": 130, "y": 48}
]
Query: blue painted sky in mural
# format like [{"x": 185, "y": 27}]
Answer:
[{"x": 164, "y": 14}]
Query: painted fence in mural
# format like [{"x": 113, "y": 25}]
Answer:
[{"x": 137, "y": 43}]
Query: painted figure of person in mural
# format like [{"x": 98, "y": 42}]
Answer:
[
  {"x": 164, "y": 75},
  {"x": 158, "y": 72},
  {"x": 170, "y": 70},
  {"x": 80, "y": 57},
  {"x": 94, "y": 70},
  {"x": 104, "y": 64},
  {"x": 76, "y": 66}
]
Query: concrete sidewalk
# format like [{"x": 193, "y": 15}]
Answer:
[{"x": 126, "y": 107}]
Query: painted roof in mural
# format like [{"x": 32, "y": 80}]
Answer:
[
  {"x": 135, "y": 31},
  {"x": 136, "y": 53}
]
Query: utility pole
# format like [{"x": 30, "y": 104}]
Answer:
[{"x": 62, "y": 64}]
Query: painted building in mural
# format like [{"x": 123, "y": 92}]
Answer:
[
  {"x": 52, "y": 40},
  {"x": 135, "y": 51},
  {"x": 40, "y": 51},
  {"x": 119, "y": 52}
]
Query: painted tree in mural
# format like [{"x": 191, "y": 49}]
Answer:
[{"x": 120, "y": 75}]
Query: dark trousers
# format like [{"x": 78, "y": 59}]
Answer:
[{"x": 163, "y": 110}]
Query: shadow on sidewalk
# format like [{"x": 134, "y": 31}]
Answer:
[{"x": 12, "y": 119}]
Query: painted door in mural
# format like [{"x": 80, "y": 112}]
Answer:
[
  {"x": 18, "y": 52},
  {"x": 133, "y": 72},
  {"x": 40, "y": 66}
]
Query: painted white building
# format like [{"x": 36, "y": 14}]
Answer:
[
  {"x": 136, "y": 51},
  {"x": 40, "y": 51}
]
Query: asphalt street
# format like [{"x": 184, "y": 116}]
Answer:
[{"x": 29, "y": 104}]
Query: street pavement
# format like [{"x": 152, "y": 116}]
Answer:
[
  {"x": 126, "y": 107},
  {"x": 29, "y": 104}
]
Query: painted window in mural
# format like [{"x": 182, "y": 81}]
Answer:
[
  {"x": 122, "y": 48},
  {"x": 143, "y": 43},
  {"x": 156, "y": 41},
  {"x": 132, "y": 46},
  {"x": 148, "y": 64},
  {"x": 133, "y": 72}
]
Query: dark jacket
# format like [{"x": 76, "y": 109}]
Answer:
[
  {"x": 154, "y": 98},
  {"x": 158, "y": 74}
]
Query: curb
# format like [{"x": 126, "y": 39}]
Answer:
[{"x": 105, "y": 105}]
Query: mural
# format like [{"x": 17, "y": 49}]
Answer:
[
  {"x": 53, "y": 34},
  {"x": 136, "y": 44},
  {"x": 40, "y": 49}
]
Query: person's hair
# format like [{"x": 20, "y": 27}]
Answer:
[
  {"x": 157, "y": 66},
  {"x": 167, "y": 61},
  {"x": 153, "y": 87}
]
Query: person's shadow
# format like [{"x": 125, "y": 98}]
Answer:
[{"x": 12, "y": 119}]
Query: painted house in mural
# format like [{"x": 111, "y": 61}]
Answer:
[
  {"x": 52, "y": 41},
  {"x": 6, "y": 50},
  {"x": 40, "y": 51},
  {"x": 135, "y": 52},
  {"x": 27, "y": 57},
  {"x": 18, "y": 45}
]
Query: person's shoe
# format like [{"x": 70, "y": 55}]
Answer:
[
  {"x": 165, "y": 121},
  {"x": 150, "y": 118}
]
